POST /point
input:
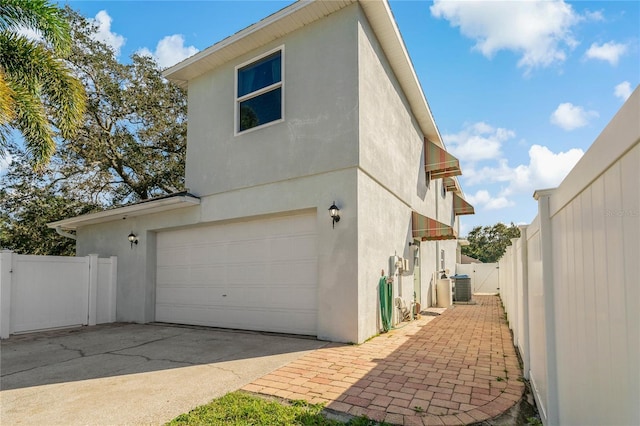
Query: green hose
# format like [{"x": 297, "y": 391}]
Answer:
[{"x": 384, "y": 288}]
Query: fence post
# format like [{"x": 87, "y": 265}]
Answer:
[
  {"x": 515, "y": 320},
  {"x": 6, "y": 271},
  {"x": 113, "y": 286},
  {"x": 93, "y": 289},
  {"x": 546, "y": 248},
  {"x": 524, "y": 264}
]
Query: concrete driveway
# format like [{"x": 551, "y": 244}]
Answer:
[{"x": 130, "y": 373}]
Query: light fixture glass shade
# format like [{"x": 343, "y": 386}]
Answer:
[{"x": 333, "y": 210}]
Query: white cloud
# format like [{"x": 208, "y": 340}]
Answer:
[
  {"x": 609, "y": 52},
  {"x": 596, "y": 16},
  {"x": 483, "y": 199},
  {"x": 104, "y": 34},
  {"x": 501, "y": 173},
  {"x": 570, "y": 117},
  {"x": 623, "y": 90},
  {"x": 170, "y": 50},
  {"x": 545, "y": 170},
  {"x": 477, "y": 142},
  {"x": 540, "y": 31}
]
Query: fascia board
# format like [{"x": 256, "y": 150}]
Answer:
[{"x": 133, "y": 210}]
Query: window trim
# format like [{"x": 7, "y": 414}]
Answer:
[{"x": 237, "y": 100}]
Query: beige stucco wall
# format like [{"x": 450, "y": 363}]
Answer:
[
  {"x": 391, "y": 183},
  {"x": 347, "y": 136},
  {"x": 319, "y": 131}
]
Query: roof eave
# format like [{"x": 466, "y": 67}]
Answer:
[
  {"x": 132, "y": 210},
  {"x": 382, "y": 21},
  {"x": 186, "y": 70}
]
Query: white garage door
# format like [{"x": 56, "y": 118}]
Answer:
[{"x": 256, "y": 275}]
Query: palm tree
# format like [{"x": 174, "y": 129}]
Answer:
[{"x": 39, "y": 95}]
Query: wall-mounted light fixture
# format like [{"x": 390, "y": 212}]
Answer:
[
  {"x": 133, "y": 239},
  {"x": 334, "y": 212}
]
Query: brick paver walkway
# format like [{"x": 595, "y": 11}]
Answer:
[{"x": 458, "y": 368}]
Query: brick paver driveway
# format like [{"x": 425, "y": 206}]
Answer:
[{"x": 458, "y": 368}]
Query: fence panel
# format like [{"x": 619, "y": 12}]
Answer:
[
  {"x": 576, "y": 293},
  {"x": 106, "y": 306},
  {"x": 48, "y": 292},
  {"x": 45, "y": 292}
]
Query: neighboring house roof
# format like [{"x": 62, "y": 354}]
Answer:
[
  {"x": 153, "y": 205},
  {"x": 468, "y": 259},
  {"x": 303, "y": 13}
]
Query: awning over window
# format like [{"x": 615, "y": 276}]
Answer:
[
  {"x": 438, "y": 162},
  {"x": 460, "y": 206},
  {"x": 428, "y": 229},
  {"x": 451, "y": 184}
]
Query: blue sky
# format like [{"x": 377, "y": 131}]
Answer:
[{"x": 519, "y": 89}]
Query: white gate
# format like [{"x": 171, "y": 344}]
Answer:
[
  {"x": 485, "y": 278},
  {"x": 44, "y": 292}
]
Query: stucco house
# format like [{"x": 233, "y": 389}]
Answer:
[{"x": 315, "y": 106}]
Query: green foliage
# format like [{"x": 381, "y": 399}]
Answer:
[
  {"x": 130, "y": 146},
  {"x": 534, "y": 421},
  {"x": 38, "y": 15},
  {"x": 39, "y": 94},
  {"x": 241, "y": 409},
  {"x": 489, "y": 243},
  {"x": 133, "y": 140},
  {"x": 238, "y": 408},
  {"x": 28, "y": 201}
]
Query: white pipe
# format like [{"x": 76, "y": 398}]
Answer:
[{"x": 64, "y": 233}]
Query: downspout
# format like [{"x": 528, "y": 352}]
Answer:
[
  {"x": 437, "y": 191},
  {"x": 434, "y": 299},
  {"x": 66, "y": 234}
]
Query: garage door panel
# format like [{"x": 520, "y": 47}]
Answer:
[
  {"x": 303, "y": 246},
  {"x": 208, "y": 274},
  {"x": 255, "y": 275},
  {"x": 196, "y": 275},
  {"x": 248, "y": 274},
  {"x": 206, "y": 295},
  {"x": 283, "y": 321},
  {"x": 248, "y": 249},
  {"x": 173, "y": 256},
  {"x": 273, "y": 297}
]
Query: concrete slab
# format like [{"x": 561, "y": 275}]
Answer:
[{"x": 131, "y": 373}]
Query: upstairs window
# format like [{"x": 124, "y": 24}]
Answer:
[{"x": 259, "y": 92}]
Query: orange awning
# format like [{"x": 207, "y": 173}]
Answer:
[
  {"x": 428, "y": 229},
  {"x": 460, "y": 206},
  {"x": 451, "y": 184},
  {"x": 438, "y": 162}
]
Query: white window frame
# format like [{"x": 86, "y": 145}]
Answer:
[{"x": 237, "y": 101}]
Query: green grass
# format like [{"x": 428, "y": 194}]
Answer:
[{"x": 238, "y": 408}]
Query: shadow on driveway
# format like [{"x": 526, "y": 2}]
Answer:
[
  {"x": 119, "y": 349},
  {"x": 132, "y": 373}
]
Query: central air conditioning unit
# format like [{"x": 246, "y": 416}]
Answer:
[{"x": 462, "y": 288}]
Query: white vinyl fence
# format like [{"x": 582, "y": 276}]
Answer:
[
  {"x": 571, "y": 285},
  {"x": 484, "y": 277},
  {"x": 44, "y": 292}
]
